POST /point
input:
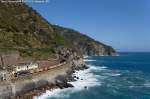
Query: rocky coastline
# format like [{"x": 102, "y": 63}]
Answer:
[
  {"x": 61, "y": 82},
  {"x": 56, "y": 78},
  {"x": 30, "y": 35}
]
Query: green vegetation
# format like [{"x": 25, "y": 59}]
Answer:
[
  {"x": 29, "y": 78},
  {"x": 23, "y": 29}
]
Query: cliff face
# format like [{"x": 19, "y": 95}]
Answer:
[
  {"x": 82, "y": 43},
  {"x": 23, "y": 29}
]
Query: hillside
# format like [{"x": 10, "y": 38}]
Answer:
[{"x": 23, "y": 29}]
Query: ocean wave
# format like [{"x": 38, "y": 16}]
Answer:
[
  {"x": 85, "y": 56},
  {"x": 86, "y": 80},
  {"x": 111, "y": 74},
  {"x": 56, "y": 93},
  {"x": 97, "y": 68},
  {"x": 89, "y": 60},
  {"x": 147, "y": 84}
]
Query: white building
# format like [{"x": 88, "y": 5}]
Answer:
[{"x": 25, "y": 67}]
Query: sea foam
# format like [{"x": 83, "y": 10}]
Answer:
[
  {"x": 89, "y": 60},
  {"x": 147, "y": 84},
  {"x": 86, "y": 80},
  {"x": 97, "y": 68}
]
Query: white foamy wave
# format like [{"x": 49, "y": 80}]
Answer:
[
  {"x": 56, "y": 93},
  {"x": 86, "y": 78},
  {"x": 112, "y": 74},
  {"x": 85, "y": 81},
  {"x": 97, "y": 68},
  {"x": 103, "y": 68},
  {"x": 147, "y": 84},
  {"x": 85, "y": 56},
  {"x": 89, "y": 60}
]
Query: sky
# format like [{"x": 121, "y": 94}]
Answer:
[{"x": 122, "y": 24}]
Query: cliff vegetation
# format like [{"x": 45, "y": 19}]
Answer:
[{"x": 24, "y": 30}]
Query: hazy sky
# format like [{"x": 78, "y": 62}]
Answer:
[{"x": 123, "y": 24}]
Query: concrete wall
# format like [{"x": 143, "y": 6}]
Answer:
[
  {"x": 24, "y": 85},
  {"x": 37, "y": 80},
  {"x": 5, "y": 90}
]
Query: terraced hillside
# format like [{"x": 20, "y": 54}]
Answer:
[{"x": 23, "y": 29}]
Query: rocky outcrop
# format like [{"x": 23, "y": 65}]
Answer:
[
  {"x": 83, "y": 44},
  {"x": 98, "y": 49}
]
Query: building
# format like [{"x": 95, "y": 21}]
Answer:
[
  {"x": 8, "y": 59},
  {"x": 47, "y": 64},
  {"x": 25, "y": 67},
  {"x": 12, "y": 65}
]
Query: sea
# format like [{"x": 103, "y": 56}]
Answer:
[{"x": 126, "y": 76}]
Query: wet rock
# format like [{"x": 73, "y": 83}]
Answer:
[
  {"x": 85, "y": 87},
  {"x": 64, "y": 85},
  {"x": 85, "y": 67},
  {"x": 70, "y": 85}
]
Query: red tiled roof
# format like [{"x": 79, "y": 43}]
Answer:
[
  {"x": 13, "y": 59},
  {"x": 9, "y": 59},
  {"x": 46, "y": 63}
]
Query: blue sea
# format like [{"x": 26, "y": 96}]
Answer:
[{"x": 126, "y": 76}]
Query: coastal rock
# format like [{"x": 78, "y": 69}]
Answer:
[
  {"x": 69, "y": 85},
  {"x": 61, "y": 82}
]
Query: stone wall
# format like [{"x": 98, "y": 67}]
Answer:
[
  {"x": 22, "y": 86},
  {"x": 37, "y": 80},
  {"x": 5, "y": 90}
]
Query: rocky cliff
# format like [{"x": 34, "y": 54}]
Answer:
[{"x": 23, "y": 29}]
